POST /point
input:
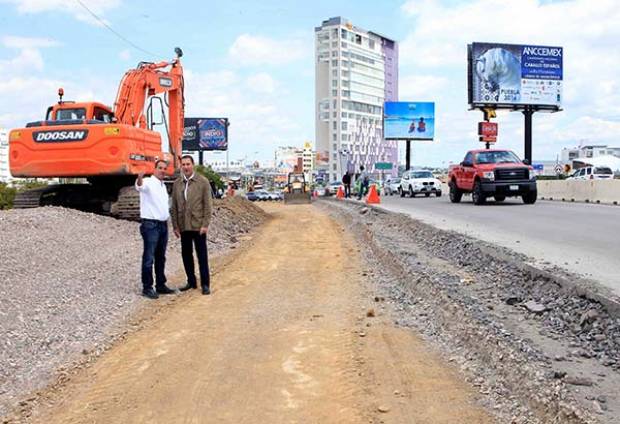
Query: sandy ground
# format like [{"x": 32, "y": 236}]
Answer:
[{"x": 288, "y": 336}]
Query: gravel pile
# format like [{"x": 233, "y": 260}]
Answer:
[
  {"x": 69, "y": 280},
  {"x": 536, "y": 351}
]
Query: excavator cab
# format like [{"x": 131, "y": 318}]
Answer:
[{"x": 297, "y": 190}]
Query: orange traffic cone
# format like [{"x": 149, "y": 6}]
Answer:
[
  {"x": 373, "y": 197},
  {"x": 340, "y": 193}
]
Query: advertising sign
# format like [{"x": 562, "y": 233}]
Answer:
[
  {"x": 409, "y": 121},
  {"x": 487, "y": 129},
  {"x": 205, "y": 134},
  {"x": 509, "y": 75}
]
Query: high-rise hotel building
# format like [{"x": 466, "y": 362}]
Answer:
[{"x": 356, "y": 72}]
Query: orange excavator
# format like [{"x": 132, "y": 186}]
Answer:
[{"x": 108, "y": 148}]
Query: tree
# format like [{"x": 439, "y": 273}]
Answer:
[{"x": 211, "y": 175}]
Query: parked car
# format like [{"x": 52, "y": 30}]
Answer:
[
  {"x": 492, "y": 173},
  {"x": 320, "y": 190},
  {"x": 251, "y": 196},
  {"x": 391, "y": 186},
  {"x": 274, "y": 195},
  {"x": 419, "y": 182},
  {"x": 262, "y": 195},
  {"x": 332, "y": 188},
  {"x": 592, "y": 173}
]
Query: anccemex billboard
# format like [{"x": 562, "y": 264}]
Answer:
[
  {"x": 514, "y": 76},
  {"x": 205, "y": 134},
  {"x": 409, "y": 121}
]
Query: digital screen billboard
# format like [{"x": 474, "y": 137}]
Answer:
[
  {"x": 409, "y": 120},
  {"x": 205, "y": 134},
  {"x": 510, "y": 75}
]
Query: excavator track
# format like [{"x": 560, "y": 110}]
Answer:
[
  {"x": 30, "y": 198},
  {"x": 123, "y": 203},
  {"x": 127, "y": 206}
]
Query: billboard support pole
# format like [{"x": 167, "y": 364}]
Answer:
[
  {"x": 528, "y": 134},
  {"x": 200, "y": 157},
  {"x": 408, "y": 156}
]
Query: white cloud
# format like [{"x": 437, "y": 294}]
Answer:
[
  {"x": 125, "y": 55},
  {"x": 15, "y": 42},
  {"x": 70, "y": 7},
  {"x": 420, "y": 87},
  {"x": 261, "y": 83},
  {"x": 437, "y": 47},
  {"x": 26, "y": 61},
  {"x": 259, "y": 50}
]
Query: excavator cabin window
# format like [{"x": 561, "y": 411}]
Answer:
[
  {"x": 102, "y": 115},
  {"x": 70, "y": 114}
]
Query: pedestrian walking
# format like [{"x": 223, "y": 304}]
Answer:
[
  {"x": 364, "y": 181},
  {"x": 346, "y": 180},
  {"x": 154, "y": 216},
  {"x": 192, "y": 204}
]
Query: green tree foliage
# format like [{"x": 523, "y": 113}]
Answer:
[{"x": 211, "y": 175}]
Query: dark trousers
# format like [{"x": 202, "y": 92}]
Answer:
[
  {"x": 363, "y": 190},
  {"x": 347, "y": 190},
  {"x": 200, "y": 244},
  {"x": 155, "y": 236}
]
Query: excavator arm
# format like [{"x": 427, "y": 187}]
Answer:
[{"x": 147, "y": 80}]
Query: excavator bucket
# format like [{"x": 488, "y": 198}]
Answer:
[
  {"x": 297, "y": 198},
  {"x": 297, "y": 192}
]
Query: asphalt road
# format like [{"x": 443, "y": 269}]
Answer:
[{"x": 581, "y": 238}]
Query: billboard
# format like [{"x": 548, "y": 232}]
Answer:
[
  {"x": 205, "y": 134},
  {"x": 513, "y": 76},
  {"x": 409, "y": 120}
]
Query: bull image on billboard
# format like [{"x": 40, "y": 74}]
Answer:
[
  {"x": 205, "y": 134},
  {"x": 512, "y": 76}
]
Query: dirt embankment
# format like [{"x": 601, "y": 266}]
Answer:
[
  {"x": 70, "y": 281},
  {"x": 293, "y": 332}
]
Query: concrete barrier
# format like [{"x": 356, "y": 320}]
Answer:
[{"x": 589, "y": 191}]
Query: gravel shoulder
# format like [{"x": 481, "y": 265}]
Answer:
[
  {"x": 71, "y": 286},
  {"x": 537, "y": 351}
]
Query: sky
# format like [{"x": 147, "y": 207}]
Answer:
[{"x": 253, "y": 62}]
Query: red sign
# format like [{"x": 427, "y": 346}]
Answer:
[{"x": 487, "y": 129}]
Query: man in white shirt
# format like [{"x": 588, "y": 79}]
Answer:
[{"x": 154, "y": 214}]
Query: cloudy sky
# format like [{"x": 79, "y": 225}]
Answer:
[{"x": 253, "y": 62}]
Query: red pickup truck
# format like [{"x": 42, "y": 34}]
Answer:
[{"x": 492, "y": 173}]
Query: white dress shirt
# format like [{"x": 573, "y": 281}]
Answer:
[{"x": 154, "y": 202}]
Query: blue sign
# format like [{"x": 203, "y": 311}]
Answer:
[
  {"x": 205, "y": 134},
  {"x": 409, "y": 121}
]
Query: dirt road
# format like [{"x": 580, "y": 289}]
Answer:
[{"x": 284, "y": 338}]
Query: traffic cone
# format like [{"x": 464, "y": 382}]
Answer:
[
  {"x": 340, "y": 193},
  {"x": 373, "y": 197}
]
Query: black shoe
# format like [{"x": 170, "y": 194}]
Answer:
[
  {"x": 188, "y": 286},
  {"x": 150, "y": 293},
  {"x": 164, "y": 290},
  {"x": 205, "y": 290}
]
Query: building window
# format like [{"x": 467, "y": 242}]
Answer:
[
  {"x": 343, "y": 33},
  {"x": 335, "y": 125},
  {"x": 343, "y": 45},
  {"x": 344, "y": 114},
  {"x": 344, "y": 125},
  {"x": 334, "y": 44},
  {"x": 335, "y": 73},
  {"x": 344, "y": 137},
  {"x": 334, "y": 83},
  {"x": 335, "y": 137},
  {"x": 334, "y": 53},
  {"x": 334, "y": 114},
  {"x": 371, "y": 44},
  {"x": 335, "y": 62},
  {"x": 334, "y": 168},
  {"x": 334, "y": 93},
  {"x": 335, "y": 104},
  {"x": 358, "y": 39},
  {"x": 345, "y": 74}
]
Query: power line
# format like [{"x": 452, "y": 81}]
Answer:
[{"x": 102, "y": 22}]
